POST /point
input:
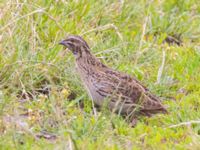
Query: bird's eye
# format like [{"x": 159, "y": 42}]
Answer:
[{"x": 70, "y": 44}]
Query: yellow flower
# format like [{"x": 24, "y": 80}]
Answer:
[{"x": 65, "y": 92}]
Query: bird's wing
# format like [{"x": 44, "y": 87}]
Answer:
[
  {"x": 147, "y": 92},
  {"x": 132, "y": 91},
  {"x": 151, "y": 102}
]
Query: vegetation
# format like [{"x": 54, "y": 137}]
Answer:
[{"x": 42, "y": 102}]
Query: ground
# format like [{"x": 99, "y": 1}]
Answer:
[{"x": 43, "y": 104}]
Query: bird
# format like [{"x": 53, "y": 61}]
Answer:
[{"x": 120, "y": 92}]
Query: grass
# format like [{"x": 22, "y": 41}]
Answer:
[{"x": 125, "y": 35}]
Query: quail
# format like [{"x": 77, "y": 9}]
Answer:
[{"x": 122, "y": 93}]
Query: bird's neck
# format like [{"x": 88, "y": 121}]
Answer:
[{"x": 89, "y": 62}]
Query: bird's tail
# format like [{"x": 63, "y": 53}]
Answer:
[{"x": 154, "y": 111}]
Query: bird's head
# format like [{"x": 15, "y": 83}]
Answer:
[{"x": 76, "y": 44}]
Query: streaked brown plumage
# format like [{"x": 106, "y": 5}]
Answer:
[{"x": 125, "y": 94}]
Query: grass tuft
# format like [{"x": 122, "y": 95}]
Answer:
[{"x": 43, "y": 104}]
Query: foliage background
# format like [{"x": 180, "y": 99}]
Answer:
[{"x": 42, "y": 102}]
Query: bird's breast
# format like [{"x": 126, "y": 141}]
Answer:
[{"x": 88, "y": 78}]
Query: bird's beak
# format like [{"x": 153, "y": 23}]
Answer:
[{"x": 62, "y": 42}]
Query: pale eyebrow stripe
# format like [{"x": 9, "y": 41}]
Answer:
[
  {"x": 80, "y": 39},
  {"x": 75, "y": 38}
]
